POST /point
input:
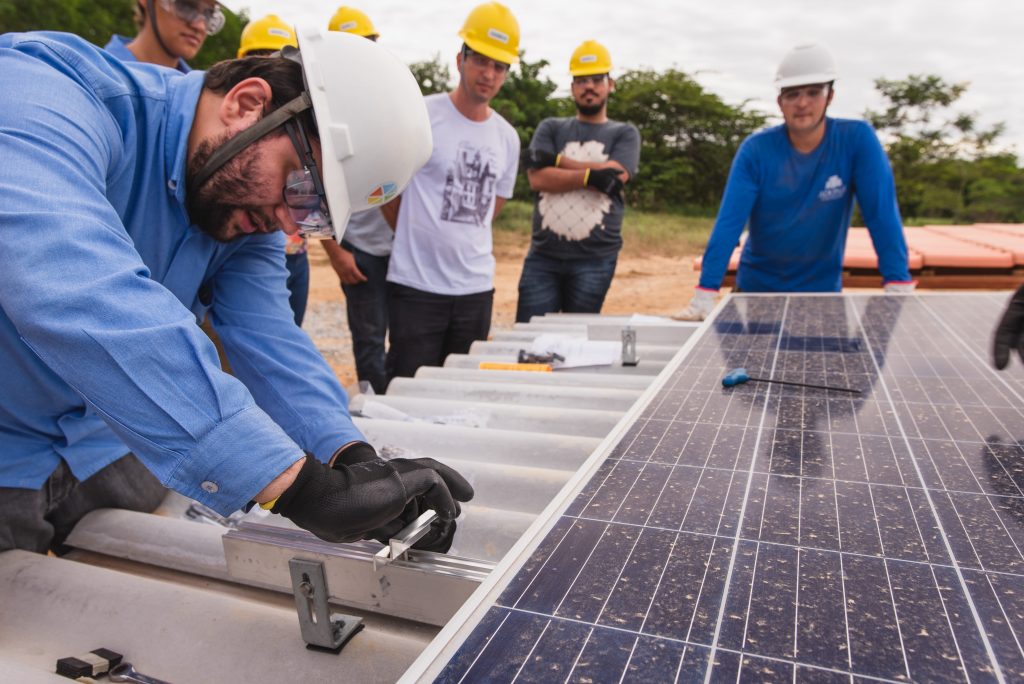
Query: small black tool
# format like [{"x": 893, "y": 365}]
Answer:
[
  {"x": 738, "y": 376},
  {"x": 531, "y": 357}
]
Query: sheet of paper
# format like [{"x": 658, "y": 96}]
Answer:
[{"x": 577, "y": 351}]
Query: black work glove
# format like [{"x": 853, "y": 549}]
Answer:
[
  {"x": 532, "y": 158},
  {"x": 1010, "y": 332},
  {"x": 442, "y": 532},
  {"x": 606, "y": 180},
  {"x": 346, "y": 503}
]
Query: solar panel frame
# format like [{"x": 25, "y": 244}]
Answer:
[{"x": 773, "y": 565}]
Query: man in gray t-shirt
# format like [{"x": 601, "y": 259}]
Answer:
[{"x": 578, "y": 166}]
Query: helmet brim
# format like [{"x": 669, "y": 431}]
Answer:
[
  {"x": 488, "y": 50},
  {"x": 589, "y": 71},
  {"x": 805, "y": 79}
]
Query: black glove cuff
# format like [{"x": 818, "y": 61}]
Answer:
[
  {"x": 308, "y": 470},
  {"x": 350, "y": 454}
]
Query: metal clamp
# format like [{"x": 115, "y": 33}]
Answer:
[
  {"x": 321, "y": 629},
  {"x": 403, "y": 541},
  {"x": 629, "y": 347}
]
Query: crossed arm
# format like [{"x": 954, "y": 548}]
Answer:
[{"x": 569, "y": 175}]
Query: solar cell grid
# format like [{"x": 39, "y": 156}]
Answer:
[{"x": 770, "y": 532}]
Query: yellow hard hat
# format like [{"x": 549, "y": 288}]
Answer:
[
  {"x": 351, "y": 20},
  {"x": 590, "y": 58},
  {"x": 267, "y": 33},
  {"x": 491, "y": 30}
]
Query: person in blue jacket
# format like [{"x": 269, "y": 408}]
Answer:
[
  {"x": 794, "y": 186},
  {"x": 139, "y": 200},
  {"x": 171, "y": 32}
]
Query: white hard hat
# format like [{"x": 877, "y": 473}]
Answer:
[
  {"x": 804, "y": 65},
  {"x": 373, "y": 122}
]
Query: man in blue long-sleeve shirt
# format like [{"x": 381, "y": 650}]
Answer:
[
  {"x": 139, "y": 200},
  {"x": 794, "y": 185}
]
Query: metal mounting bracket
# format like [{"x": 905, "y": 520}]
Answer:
[
  {"x": 321, "y": 629},
  {"x": 629, "y": 347},
  {"x": 403, "y": 541}
]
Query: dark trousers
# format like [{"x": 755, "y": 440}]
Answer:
[
  {"x": 367, "y": 308},
  {"x": 549, "y": 285},
  {"x": 427, "y": 327},
  {"x": 41, "y": 519},
  {"x": 298, "y": 284}
]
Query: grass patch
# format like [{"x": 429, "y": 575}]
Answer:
[
  {"x": 926, "y": 221},
  {"x": 643, "y": 232}
]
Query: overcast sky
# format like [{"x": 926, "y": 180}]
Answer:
[{"x": 733, "y": 46}]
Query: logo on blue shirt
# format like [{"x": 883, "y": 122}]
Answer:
[{"x": 834, "y": 189}]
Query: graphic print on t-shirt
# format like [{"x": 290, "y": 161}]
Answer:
[
  {"x": 470, "y": 184},
  {"x": 834, "y": 189},
  {"x": 573, "y": 215}
]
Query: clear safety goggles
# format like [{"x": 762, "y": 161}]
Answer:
[
  {"x": 483, "y": 61},
  {"x": 190, "y": 10},
  {"x": 303, "y": 191},
  {"x": 593, "y": 79},
  {"x": 814, "y": 91}
]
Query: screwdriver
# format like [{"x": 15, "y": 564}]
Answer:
[{"x": 738, "y": 376}]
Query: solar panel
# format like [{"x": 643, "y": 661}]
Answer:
[{"x": 769, "y": 532}]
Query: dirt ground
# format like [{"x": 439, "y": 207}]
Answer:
[{"x": 649, "y": 284}]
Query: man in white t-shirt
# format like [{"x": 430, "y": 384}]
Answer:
[{"x": 441, "y": 275}]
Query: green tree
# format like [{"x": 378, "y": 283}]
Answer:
[
  {"x": 689, "y": 137},
  {"x": 945, "y": 163},
  {"x": 432, "y": 75}
]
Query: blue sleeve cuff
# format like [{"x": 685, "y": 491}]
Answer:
[
  {"x": 225, "y": 472},
  {"x": 323, "y": 446}
]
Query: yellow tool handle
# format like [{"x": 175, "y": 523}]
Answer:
[{"x": 534, "y": 367}]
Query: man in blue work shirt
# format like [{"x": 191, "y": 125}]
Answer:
[
  {"x": 795, "y": 185},
  {"x": 171, "y": 32},
  {"x": 141, "y": 199}
]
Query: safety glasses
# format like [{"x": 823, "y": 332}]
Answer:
[
  {"x": 594, "y": 79},
  {"x": 191, "y": 10},
  {"x": 303, "y": 192},
  {"x": 483, "y": 61},
  {"x": 813, "y": 92}
]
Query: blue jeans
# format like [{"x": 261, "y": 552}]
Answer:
[
  {"x": 550, "y": 285},
  {"x": 367, "y": 308},
  {"x": 298, "y": 284}
]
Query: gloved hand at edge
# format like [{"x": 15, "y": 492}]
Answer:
[
  {"x": 605, "y": 180},
  {"x": 345, "y": 503},
  {"x": 700, "y": 307},
  {"x": 1009, "y": 334},
  {"x": 442, "y": 532},
  {"x": 900, "y": 286}
]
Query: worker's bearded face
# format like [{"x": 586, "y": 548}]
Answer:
[
  {"x": 590, "y": 93},
  {"x": 239, "y": 198}
]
